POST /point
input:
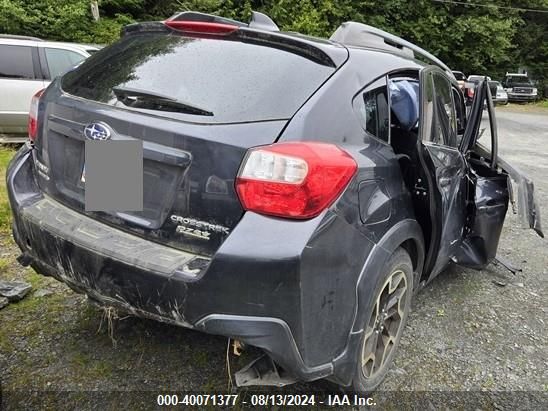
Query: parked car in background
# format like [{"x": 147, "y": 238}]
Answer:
[
  {"x": 296, "y": 208},
  {"x": 519, "y": 87},
  {"x": 461, "y": 78},
  {"x": 498, "y": 93},
  {"x": 470, "y": 85},
  {"x": 28, "y": 64}
]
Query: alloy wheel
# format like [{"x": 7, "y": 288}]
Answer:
[{"x": 384, "y": 324}]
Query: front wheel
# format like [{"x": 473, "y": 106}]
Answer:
[{"x": 385, "y": 321}]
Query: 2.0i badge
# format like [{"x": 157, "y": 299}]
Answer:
[{"x": 192, "y": 227}]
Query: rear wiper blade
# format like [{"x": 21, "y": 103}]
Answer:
[{"x": 153, "y": 101}]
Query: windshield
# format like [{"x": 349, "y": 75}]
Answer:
[
  {"x": 523, "y": 80},
  {"x": 459, "y": 75},
  {"x": 232, "y": 80}
]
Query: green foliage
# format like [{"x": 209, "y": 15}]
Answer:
[
  {"x": 5, "y": 214},
  {"x": 13, "y": 17},
  {"x": 64, "y": 21},
  {"x": 470, "y": 38}
]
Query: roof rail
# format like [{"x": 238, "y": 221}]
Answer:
[
  {"x": 258, "y": 20},
  {"x": 16, "y": 37},
  {"x": 363, "y": 35}
]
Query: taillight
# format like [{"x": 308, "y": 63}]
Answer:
[
  {"x": 33, "y": 115},
  {"x": 293, "y": 179},
  {"x": 201, "y": 27}
]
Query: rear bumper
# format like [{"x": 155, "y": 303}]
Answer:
[
  {"x": 258, "y": 294},
  {"x": 500, "y": 100},
  {"x": 13, "y": 138}
]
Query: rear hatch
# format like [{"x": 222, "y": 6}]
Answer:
[{"x": 197, "y": 103}]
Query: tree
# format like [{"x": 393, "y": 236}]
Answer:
[{"x": 489, "y": 37}]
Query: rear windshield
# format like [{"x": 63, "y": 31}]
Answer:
[{"x": 230, "y": 80}]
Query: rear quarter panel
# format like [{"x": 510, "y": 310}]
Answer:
[{"x": 334, "y": 257}]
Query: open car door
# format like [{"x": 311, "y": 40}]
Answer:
[
  {"x": 490, "y": 188},
  {"x": 468, "y": 186},
  {"x": 445, "y": 169}
]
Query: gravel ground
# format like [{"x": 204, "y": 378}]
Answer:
[{"x": 471, "y": 333}]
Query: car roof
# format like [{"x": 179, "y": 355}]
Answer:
[
  {"x": 400, "y": 57},
  {"x": 396, "y": 55},
  {"x": 36, "y": 42},
  {"x": 370, "y": 49},
  {"x": 18, "y": 37},
  {"x": 352, "y": 33}
]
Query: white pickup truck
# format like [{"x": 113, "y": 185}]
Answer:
[{"x": 519, "y": 87}]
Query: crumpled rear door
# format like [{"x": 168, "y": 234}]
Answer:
[{"x": 491, "y": 188}]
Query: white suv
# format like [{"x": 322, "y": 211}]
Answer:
[{"x": 27, "y": 65}]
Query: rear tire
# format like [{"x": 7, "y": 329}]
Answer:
[{"x": 385, "y": 320}]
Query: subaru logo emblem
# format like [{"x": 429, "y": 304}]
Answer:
[{"x": 97, "y": 131}]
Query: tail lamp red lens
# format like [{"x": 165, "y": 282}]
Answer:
[
  {"x": 294, "y": 179},
  {"x": 201, "y": 27},
  {"x": 33, "y": 115}
]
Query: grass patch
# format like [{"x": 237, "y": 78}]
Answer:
[
  {"x": 200, "y": 358},
  {"x": 5, "y": 214},
  {"x": 5, "y": 342},
  {"x": 36, "y": 280},
  {"x": 83, "y": 363},
  {"x": 4, "y": 264},
  {"x": 540, "y": 106},
  {"x": 542, "y": 103}
]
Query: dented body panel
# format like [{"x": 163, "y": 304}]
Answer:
[{"x": 298, "y": 289}]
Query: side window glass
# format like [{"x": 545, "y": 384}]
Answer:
[
  {"x": 439, "y": 116},
  {"x": 60, "y": 61},
  {"x": 16, "y": 62},
  {"x": 428, "y": 120},
  {"x": 460, "y": 112},
  {"x": 445, "y": 110},
  {"x": 373, "y": 110},
  {"x": 376, "y": 113}
]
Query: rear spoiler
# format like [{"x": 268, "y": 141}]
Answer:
[
  {"x": 260, "y": 30},
  {"x": 258, "y": 21}
]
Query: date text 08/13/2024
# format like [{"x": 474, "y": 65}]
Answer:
[{"x": 264, "y": 400}]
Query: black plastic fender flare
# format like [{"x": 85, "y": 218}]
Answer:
[{"x": 409, "y": 229}]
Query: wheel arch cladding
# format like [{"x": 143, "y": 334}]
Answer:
[{"x": 407, "y": 234}]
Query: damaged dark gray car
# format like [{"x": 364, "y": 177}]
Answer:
[{"x": 297, "y": 192}]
